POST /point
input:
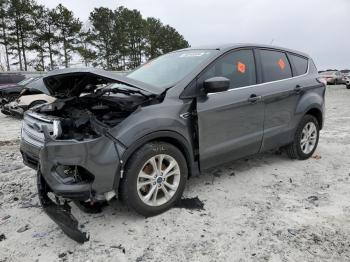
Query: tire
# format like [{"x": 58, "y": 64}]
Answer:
[
  {"x": 141, "y": 160},
  {"x": 295, "y": 150},
  {"x": 348, "y": 86}
]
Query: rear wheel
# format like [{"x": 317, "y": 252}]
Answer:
[
  {"x": 305, "y": 139},
  {"x": 155, "y": 178}
]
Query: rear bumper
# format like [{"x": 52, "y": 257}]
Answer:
[{"x": 77, "y": 170}]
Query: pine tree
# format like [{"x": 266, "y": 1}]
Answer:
[
  {"x": 131, "y": 36},
  {"x": 103, "y": 36},
  {"x": 85, "y": 45},
  {"x": 4, "y": 5},
  {"x": 154, "y": 28},
  {"x": 21, "y": 29},
  {"x": 45, "y": 41},
  {"x": 68, "y": 28}
]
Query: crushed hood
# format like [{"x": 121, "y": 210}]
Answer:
[{"x": 71, "y": 82}]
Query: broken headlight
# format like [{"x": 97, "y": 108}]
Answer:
[{"x": 57, "y": 129}]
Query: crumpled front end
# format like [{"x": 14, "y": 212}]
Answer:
[
  {"x": 70, "y": 170},
  {"x": 80, "y": 170},
  {"x": 59, "y": 213}
]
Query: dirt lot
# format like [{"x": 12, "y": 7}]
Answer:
[{"x": 264, "y": 208}]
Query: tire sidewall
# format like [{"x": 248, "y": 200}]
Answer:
[
  {"x": 306, "y": 119},
  {"x": 137, "y": 162}
]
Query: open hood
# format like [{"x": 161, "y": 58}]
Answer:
[{"x": 72, "y": 82}]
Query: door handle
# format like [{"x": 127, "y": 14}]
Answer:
[
  {"x": 254, "y": 98},
  {"x": 298, "y": 89}
]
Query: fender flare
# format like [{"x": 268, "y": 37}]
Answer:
[{"x": 311, "y": 102}]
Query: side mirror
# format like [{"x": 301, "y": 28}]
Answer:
[{"x": 216, "y": 84}]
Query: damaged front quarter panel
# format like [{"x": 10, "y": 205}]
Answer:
[{"x": 87, "y": 155}]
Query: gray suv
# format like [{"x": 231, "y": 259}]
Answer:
[{"x": 140, "y": 136}]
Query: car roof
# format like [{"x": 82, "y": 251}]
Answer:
[{"x": 227, "y": 47}]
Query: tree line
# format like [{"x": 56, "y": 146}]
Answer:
[{"x": 36, "y": 37}]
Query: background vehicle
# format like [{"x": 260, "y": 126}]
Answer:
[
  {"x": 23, "y": 103},
  {"x": 332, "y": 77},
  {"x": 6, "y": 79},
  {"x": 8, "y": 93},
  {"x": 142, "y": 135},
  {"x": 347, "y": 81},
  {"x": 346, "y": 78}
]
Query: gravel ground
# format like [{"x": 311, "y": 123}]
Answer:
[{"x": 263, "y": 208}]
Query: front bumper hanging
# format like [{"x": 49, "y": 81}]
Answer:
[{"x": 60, "y": 213}]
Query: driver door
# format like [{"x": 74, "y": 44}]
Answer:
[{"x": 230, "y": 123}]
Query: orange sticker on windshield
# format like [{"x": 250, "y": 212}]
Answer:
[
  {"x": 281, "y": 64},
  {"x": 241, "y": 67}
]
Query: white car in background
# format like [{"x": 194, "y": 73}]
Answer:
[{"x": 25, "y": 102}]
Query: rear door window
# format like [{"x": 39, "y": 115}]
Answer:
[
  {"x": 238, "y": 66},
  {"x": 300, "y": 64},
  {"x": 275, "y": 65}
]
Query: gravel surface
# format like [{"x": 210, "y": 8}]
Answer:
[{"x": 262, "y": 208}]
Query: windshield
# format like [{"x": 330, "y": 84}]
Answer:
[{"x": 167, "y": 70}]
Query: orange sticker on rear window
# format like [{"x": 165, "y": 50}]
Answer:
[
  {"x": 241, "y": 67},
  {"x": 281, "y": 64}
]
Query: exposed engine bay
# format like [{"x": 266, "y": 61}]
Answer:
[{"x": 88, "y": 115}]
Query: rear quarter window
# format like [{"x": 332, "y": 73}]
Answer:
[
  {"x": 275, "y": 65},
  {"x": 300, "y": 64}
]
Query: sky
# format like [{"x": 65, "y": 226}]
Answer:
[{"x": 320, "y": 28}]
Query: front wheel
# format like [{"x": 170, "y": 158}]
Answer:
[
  {"x": 155, "y": 178},
  {"x": 305, "y": 139},
  {"x": 348, "y": 86}
]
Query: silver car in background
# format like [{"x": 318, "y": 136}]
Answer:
[
  {"x": 332, "y": 77},
  {"x": 346, "y": 79}
]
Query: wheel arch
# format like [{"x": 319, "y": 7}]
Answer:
[
  {"x": 312, "y": 103},
  {"x": 317, "y": 113},
  {"x": 171, "y": 137}
]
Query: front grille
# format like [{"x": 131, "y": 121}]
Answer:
[{"x": 32, "y": 129}]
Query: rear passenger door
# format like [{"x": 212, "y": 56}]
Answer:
[
  {"x": 230, "y": 123},
  {"x": 281, "y": 94}
]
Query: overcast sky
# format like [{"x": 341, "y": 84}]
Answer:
[{"x": 320, "y": 28}]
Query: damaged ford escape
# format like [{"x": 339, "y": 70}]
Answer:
[{"x": 140, "y": 136}]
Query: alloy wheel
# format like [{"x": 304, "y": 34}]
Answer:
[
  {"x": 158, "y": 180},
  {"x": 308, "y": 138}
]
